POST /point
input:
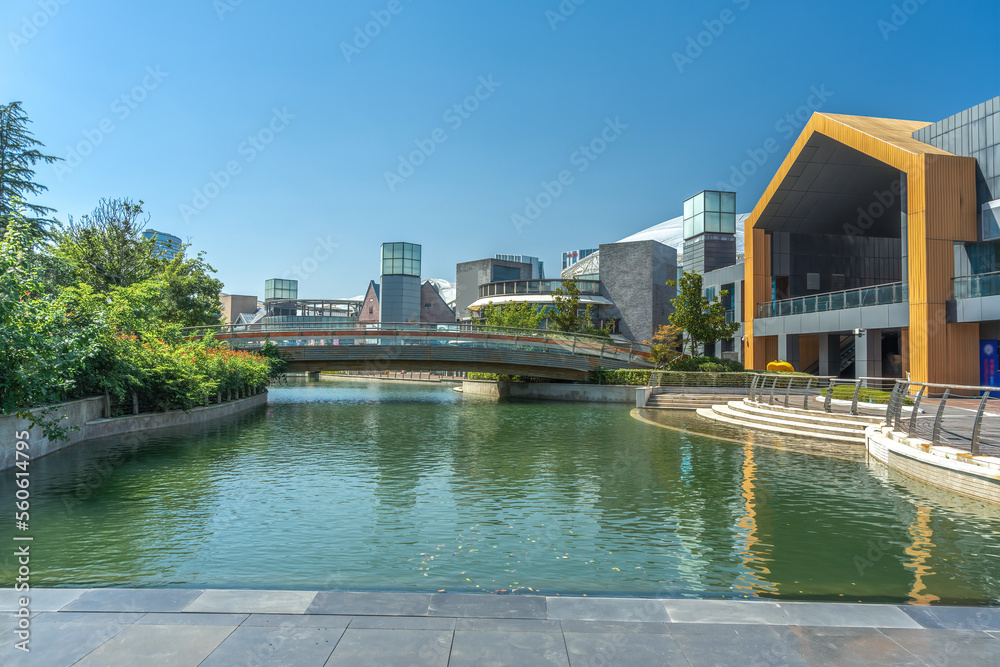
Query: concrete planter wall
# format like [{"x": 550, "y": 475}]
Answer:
[
  {"x": 588, "y": 393},
  {"x": 87, "y": 414}
]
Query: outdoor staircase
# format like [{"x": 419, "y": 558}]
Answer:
[
  {"x": 671, "y": 401},
  {"x": 792, "y": 421}
]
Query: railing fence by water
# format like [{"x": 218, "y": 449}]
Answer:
[
  {"x": 865, "y": 395},
  {"x": 961, "y": 416}
]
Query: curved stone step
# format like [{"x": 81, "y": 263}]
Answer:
[
  {"x": 803, "y": 417},
  {"x": 721, "y": 413}
]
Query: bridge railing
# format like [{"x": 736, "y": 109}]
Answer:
[
  {"x": 395, "y": 334},
  {"x": 962, "y": 416}
]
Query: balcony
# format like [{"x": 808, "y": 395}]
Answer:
[
  {"x": 513, "y": 287},
  {"x": 971, "y": 287},
  {"x": 877, "y": 295}
]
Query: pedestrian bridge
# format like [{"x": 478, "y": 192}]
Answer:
[{"x": 437, "y": 347}]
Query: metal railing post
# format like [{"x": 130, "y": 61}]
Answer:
[
  {"x": 916, "y": 407},
  {"x": 753, "y": 388},
  {"x": 854, "y": 401},
  {"x": 788, "y": 389},
  {"x": 805, "y": 399},
  {"x": 974, "y": 449},
  {"x": 936, "y": 433},
  {"x": 773, "y": 385},
  {"x": 828, "y": 403}
]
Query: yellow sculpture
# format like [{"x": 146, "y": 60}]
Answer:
[{"x": 780, "y": 366}]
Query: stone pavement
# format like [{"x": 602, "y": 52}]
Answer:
[{"x": 153, "y": 627}]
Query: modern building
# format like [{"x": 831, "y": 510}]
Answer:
[
  {"x": 433, "y": 306},
  {"x": 280, "y": 288},
  {"x": 874, "y": 249},
  {"x": 470, "y": 275},
  {"x": 234, "y": 305},
  {"x": 167, "y": 245},
  {"x": 399, "y": 291},
  {"x": 537, "y": 266},
  {"x": 629, "y": 290},
  {"x": 571, "y": 257}
]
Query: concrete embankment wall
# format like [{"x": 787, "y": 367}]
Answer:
[
  {"x": 587, "y": 393},
  {"x": 87, "y": 414},
  {"x": 945, "y": 467}
]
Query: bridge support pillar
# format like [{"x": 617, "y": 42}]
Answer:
[{"x": 313, "y": 376}]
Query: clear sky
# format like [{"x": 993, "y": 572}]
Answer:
[{"x": 300, "y": 116}]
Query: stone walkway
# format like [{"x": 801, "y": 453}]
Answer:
[{"x": 157, "y": 627}]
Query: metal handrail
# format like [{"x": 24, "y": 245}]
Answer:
[
  {"x": 579, "y": 344},
  {"x": 905, "y": 388},
  {"x": 970, "y": 287},
  {"x": 823, "y": 386},
  {"x": 772, "y": 308}
]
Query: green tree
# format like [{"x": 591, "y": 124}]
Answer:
[
  {"x": 190, "y": 296},
  {"x": 666, "y": 345},
  {"x": 107, "y": 247},
  {"x": 702, "y": 319},
  {"x": 516, "y": 315},
  {"x": 564, "y": 315},
  {"x": 18, "y": 155},
  {"x": 41, "y": 349}
]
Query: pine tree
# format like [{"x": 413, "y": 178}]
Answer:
[{"x": 18, "y": 155}]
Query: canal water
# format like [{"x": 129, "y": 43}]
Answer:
[{"x": 338, "y": 485}]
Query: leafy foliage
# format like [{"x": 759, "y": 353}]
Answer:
[
  {"x": 637, "y": 377},
  {"x": 703, "y": 320},
  {"x": 190, "y": 294},
  {"x": 666, "y": 345},
  {"x": 517, "y": 315},
  {"x": 107, "y": 248},
  {"x": 564, "y": 315}
]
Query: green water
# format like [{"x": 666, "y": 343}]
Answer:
[{"x": 383, "y": 486}]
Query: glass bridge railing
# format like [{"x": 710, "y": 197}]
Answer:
[
  {"x": 970, "y": 287},
  {"x": 876, "y": 295}
]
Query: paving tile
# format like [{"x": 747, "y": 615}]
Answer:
[
  {"x": 133, "y": 599},
  {"x": 487, "y": 606},
  {"x": 508, "y": 625},
  {"x": 401, "y": 623},
  {"x": 248, "y": 645},
  {"x": 39, "y": 599},
  {"x": 524, "y": 649},
  {"x": 724, "y": 611},
  {"x": 614, "y": 627},
  {"x": 297, "y": 621},
  {"x": 846, "y": 646},
  {"x": 252, "y": 602},
  {"x": 847, "y": 615},
  {"x": 370, "y": 604},
  {"x": 955, "y": 618},
  {"x": 57, "y": 640},
  {"x": 624, "y": 649},
  {"x": 607, "y": 609},
  {"x": 157, "y": 618},
  {"x": 729, "y": 644},
  {"x": 160, "y": 645},
  {"x": 960, "y": 648},
  {"x": 392, "y": 647}
]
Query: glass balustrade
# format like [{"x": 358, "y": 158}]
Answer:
[
  {"x": 877, "y": 295},
  {"x": 514, "y": 287},
  {"x": 971, "y": 287}
]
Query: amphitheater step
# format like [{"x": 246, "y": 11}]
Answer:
[
  {"x": 727, "y": 414},
  {"x": 756, "y": 410}
]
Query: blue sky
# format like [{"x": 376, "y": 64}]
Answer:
[{"x": 263, "y": 132}]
